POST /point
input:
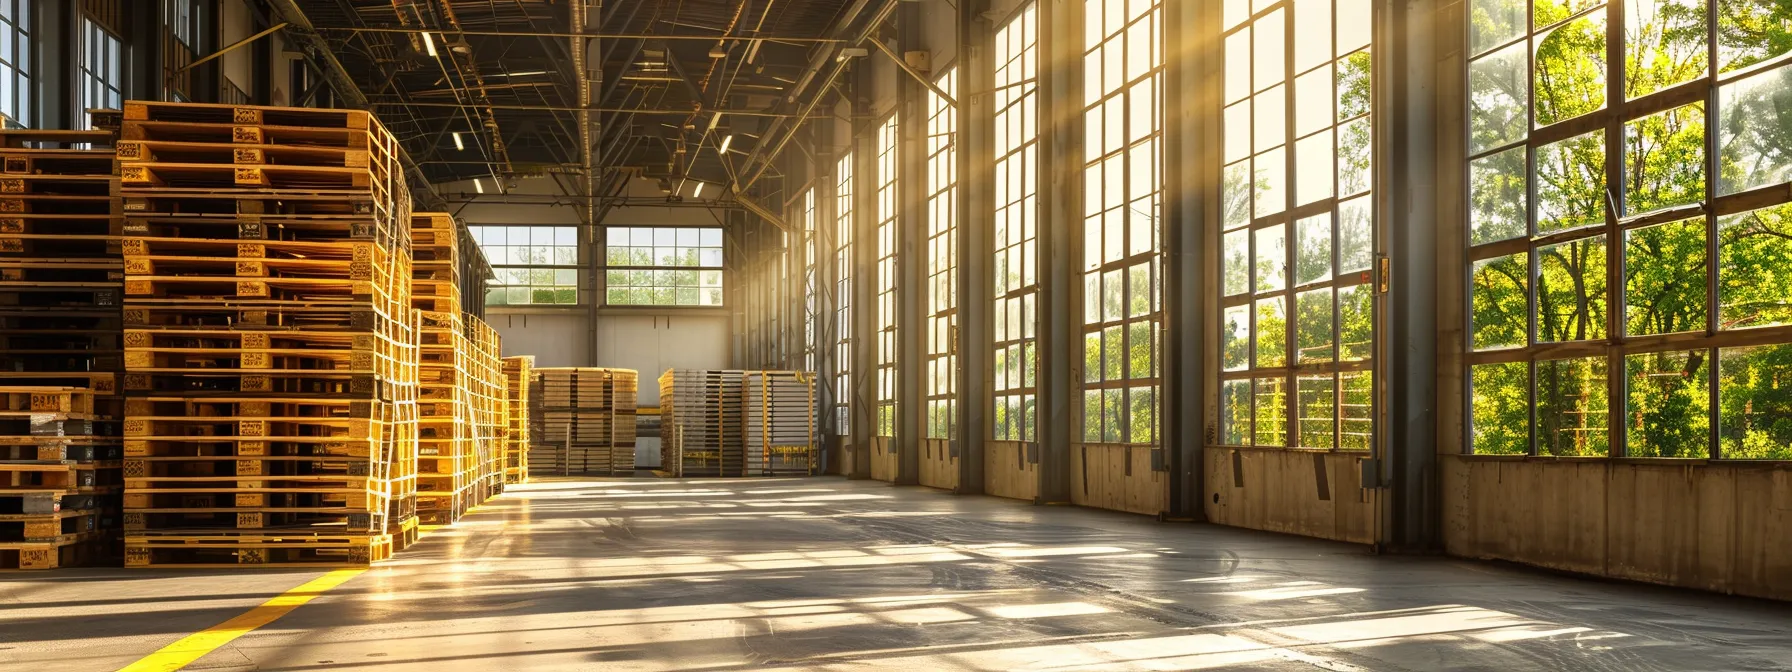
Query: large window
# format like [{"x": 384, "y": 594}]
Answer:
[
  {"x": 887, "y": 200},
  {"x": 102, "y": 70},
  {"x": 663, "y": 266},
  {"x": 1295, "y": 330},
  {"x": 1121, "y": 204},
  {"x": 1016, "y": 240},
  {"x": 535, "y": 265},
  {"x": 942, "y": 257},
  {"x": 16, "y": 47},
  {"x": 1629, "y": 231},
  {"x": 843, "y": 269},
  {"x": 811, "y": 304}
]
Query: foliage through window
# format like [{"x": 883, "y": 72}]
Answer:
[
  {"x": 1295, "y": 332},
  {"x": 942, "y": 258},
  {"x": 887, "y": 206},
  {"x": 534, "y": 265},
  {"x": 1629, "y": 228},
  {"x": 1122, "y": 202},
  {"x": 843, "y": 266},
  {"x": 662, "y": 266},
  {"x": 1016, "y": 239}
]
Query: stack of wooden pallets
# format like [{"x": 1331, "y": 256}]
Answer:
[
  {"x": 584, "y": 421},
  {"x": 780, "y": 423},
  {"x": 517, "y": 372},
  {"x": 704, "y": 409},
  {"x": 737, "y": 423},
  {"x": 487, "y": 393},
  {"x": 446, "y": 467},
  {"x": 59, "y": 482},
  {"x": 270, "y": 346},
  {"x": 61, "y": 277}
]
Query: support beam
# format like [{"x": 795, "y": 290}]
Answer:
[
  {"x": 911, "y": 259},
  {"x": 976, "y": 213},
  {"x": 897, "y": 58},
  {"x": 317, "y": 52},
  {"x": 1060, "y": 340},
  {"x": 1191, "y": 201}
]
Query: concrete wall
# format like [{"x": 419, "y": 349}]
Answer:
[
  {"x": 555, "y": 338},
  {"x": 1313, "y": 494},
  {"x": 652, "y": 343},
  {"x": 236, "y": 22},
  {"x": 1723, "y": 527}
]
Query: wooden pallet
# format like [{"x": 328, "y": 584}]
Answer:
[
  {"x": 582, "y": 421},
  {"x": 517, "y": 372}
]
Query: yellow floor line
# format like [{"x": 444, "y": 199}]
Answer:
[{"x": 192, "y": 647}]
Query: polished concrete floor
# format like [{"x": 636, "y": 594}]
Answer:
[{"x": 825, "y": 573}]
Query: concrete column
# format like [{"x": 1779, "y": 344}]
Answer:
[
  {"x": 976, "y": 213},
  {"x": 1060, "y": 235},
  {"x": 911, "y": 257},
  {"x": 1191, "y": 93},
  {"x": 864, "y": 284},
  {"x": 1405, "y": 74}
]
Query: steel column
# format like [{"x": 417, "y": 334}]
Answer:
[{"x": 976, "y": 220}]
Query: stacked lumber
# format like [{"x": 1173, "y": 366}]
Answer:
[
  {"x": 61, "y": 277},
  {"x": 486, "y": 387},
  {"x": 271, "y": 353},
  {"x": 780, "y": 423},
  {"x": 517, "y": 372},
  {"x": 584, "y": 421},
  {"x": 737, "y": 423},
  {"x": 446, "y": 467},
  {"x": 59, "y": 482},
  {"x": 705, "y": 408}
]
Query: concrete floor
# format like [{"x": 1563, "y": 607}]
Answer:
[{"x": 829, "y": 574}]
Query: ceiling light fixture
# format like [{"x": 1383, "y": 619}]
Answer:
[
  {"x": 526, "y": 74},
  {"x": 698, "y": 192},
  {"x": 478, "y": 185},
  {"x": 429, "y": 45},
  {"x": 725, "y": 143},
  {"x": 457, "y": 142}
]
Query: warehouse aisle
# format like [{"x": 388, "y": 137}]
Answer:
[{"x": 832, "y": 574}]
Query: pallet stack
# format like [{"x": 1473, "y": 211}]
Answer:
[
  {"x": 517, "y": 372},
  {"x": 446, "y": 465},
  {"x": 61, "y": 277},
  {"x": 270, "y": 348},
  {"x": 706, "y": 410},
  {"x": 737, "y": 423},
  {"x": 780, "y": 423},
  {"x": 59, "y": 493},
  {"x": 584, "y": 421},
  {"x": 488, "y": 397}
]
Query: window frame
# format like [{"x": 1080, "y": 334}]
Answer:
[
  {"x": 1612, "y": 349},
  {"x": 1113, "y": 397},
  {"x": 1015, "y": 324},
  {"x": 889, "y": 208},
  {"x": 655, "y": 267},
  {"x": 500, "y": 265},
  {"x": 940, "y": 386},
  {"x": 1339, "y": 376}
]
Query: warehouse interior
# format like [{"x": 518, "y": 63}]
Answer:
[{"x": 867, "y": 334}]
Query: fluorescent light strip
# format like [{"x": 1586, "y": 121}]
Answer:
[
  {"x": 457, "y": 143},
  {"x": 429, "y": 45}
]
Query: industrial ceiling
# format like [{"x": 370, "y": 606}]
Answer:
[{"x": 589, "y": 91}]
